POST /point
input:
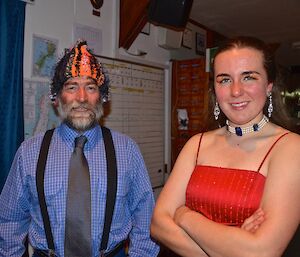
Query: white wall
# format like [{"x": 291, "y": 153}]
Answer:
[{"x": 55, "y": 19}]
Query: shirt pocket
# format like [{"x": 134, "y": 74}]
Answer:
[
  {"x": 121, "y": 209},
  {"x": 55, "y": 199},
  {"x": 53, "y": 192},
  {"x": 54, "y": 195}
]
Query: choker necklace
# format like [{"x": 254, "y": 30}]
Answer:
[{"x": 241, "y": 131}]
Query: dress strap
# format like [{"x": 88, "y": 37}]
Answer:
[
  {"x": 267, "y": 154},
  {"x": 199, "y": 147}
]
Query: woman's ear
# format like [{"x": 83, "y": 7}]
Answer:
[{"x": 269, "y": 87}]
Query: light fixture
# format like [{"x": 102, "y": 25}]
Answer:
[{"x": 137, "y": 52}]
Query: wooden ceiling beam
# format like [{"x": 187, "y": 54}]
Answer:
[{"x": 133, "y": 18}]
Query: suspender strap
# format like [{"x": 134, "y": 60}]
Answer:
[
  {"x": 112, "y": 182},
  {"x": 40, "y": 172},
  {"x": 111, "y": 191}
]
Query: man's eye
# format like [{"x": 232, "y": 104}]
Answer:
[
  {"x": 70, "y": 87},
  {"x": 92, "y": 87}
]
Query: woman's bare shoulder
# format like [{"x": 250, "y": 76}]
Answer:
[
  {"x": 287, "y": 148},
  {"x": 288, "y": 139},
  {"x": 194, "y": 141}
]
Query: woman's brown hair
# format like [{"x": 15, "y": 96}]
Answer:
[{"x": 279, "y": 115}]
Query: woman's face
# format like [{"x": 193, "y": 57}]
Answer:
[{"x": 241, "y": 84}]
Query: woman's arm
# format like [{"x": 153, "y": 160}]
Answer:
[
  {"x": 163, "y": 227},
  {"x": 280, "y": 203}
]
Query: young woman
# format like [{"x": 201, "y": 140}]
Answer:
[{"x": 234, "y": 190}]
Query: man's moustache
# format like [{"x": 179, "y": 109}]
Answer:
[{"x": 81, "y": 106}]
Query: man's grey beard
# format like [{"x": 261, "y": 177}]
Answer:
[{"x": 80, "y": 124}]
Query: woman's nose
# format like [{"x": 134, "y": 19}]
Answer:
[{"x": 236, "y": 89}]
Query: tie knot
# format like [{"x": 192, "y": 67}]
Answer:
[{"x": 80, "y": 141}]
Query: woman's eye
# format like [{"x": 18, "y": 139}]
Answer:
[
  {"x": 223, "y": 81},
  {"x": 247, "y": 78}
]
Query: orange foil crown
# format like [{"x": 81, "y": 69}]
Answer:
[{"x": 81, "y": 65}]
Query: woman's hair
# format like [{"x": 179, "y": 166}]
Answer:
[{"x": 279, "y": 114}]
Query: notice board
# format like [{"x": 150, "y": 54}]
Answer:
[{"x": 136, "y": 108}]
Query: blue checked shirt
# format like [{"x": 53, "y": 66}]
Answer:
[{"x": 19, "y": 207}]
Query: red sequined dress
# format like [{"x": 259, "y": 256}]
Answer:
[{"x": 225, "y": 195}]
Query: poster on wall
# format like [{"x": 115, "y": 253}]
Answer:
[
  {"x": 93, "y": 36},
  {"x": 187, "y": 38},
  {"x": 38, "y": 112},
  {"x": 201, "y": 43},
  {"x": 44, "y": 56},
  {"x": 209, "y": 57}
]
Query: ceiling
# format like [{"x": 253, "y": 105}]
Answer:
[{"x": 274, "y": 21}]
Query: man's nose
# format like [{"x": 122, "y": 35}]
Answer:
[{"x": 81, "y": 94}]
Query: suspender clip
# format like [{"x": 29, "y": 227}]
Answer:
[{"x": 51, "y": 253}]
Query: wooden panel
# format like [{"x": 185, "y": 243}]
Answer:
[
  {"x": 190, "y": 94},
  {"x": 133, "y": 17}
]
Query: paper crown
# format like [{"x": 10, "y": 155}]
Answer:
[{"x": 79, "y": 61}]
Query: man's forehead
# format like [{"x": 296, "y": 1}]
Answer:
[{"x": 80, "y": 80}]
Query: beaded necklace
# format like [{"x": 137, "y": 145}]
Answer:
[{"x": 253, "y": 128}]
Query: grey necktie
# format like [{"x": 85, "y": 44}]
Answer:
[{"x": 78, "y": 207}]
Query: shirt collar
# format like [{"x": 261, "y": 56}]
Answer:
[{"x": 68, "y": 135}]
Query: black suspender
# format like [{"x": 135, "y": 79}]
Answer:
[
  {"x": 112, "y": 182},
  {"x": 40, "y": 172},
  {"x": 111, "y": 186}
]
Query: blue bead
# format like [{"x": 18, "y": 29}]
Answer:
[
  {"x": 255, "y": 127},
  {"x": 238, "y": 131}
]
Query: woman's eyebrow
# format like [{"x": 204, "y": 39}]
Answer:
[
  {"x": 250, "y": 72},
  {"x": 222, "y": 75}
]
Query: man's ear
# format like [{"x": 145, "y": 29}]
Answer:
[{"x": 55, "y": 103}]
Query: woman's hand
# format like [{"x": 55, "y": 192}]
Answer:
[{"x": 252, "y": 223}]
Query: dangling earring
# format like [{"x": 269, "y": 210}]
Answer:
[
  {"x": 270, "y": 107},
  {"x": 216, "y": 111}
]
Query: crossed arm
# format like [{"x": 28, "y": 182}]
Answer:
[{"x": 266, "y": 233}]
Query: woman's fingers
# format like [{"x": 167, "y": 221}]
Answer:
[{"x": 252, "y": 223}]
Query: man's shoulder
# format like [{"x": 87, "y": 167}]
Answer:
[
  {"x": 122, "y": 138},
  {"x": 118, "y": 134},
  {"x": 33, "y": 141}
]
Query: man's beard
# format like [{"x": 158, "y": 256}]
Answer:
[{"x": 80, "y": 121}]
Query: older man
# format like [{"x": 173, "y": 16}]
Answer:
[{"x": 85, "y": 201}]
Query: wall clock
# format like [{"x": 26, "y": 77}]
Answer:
[{"x": 97, "y": 4}]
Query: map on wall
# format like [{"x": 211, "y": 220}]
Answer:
[
  {"x": 44, "y": 56},
  {"x": 38, "y": 112}
]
